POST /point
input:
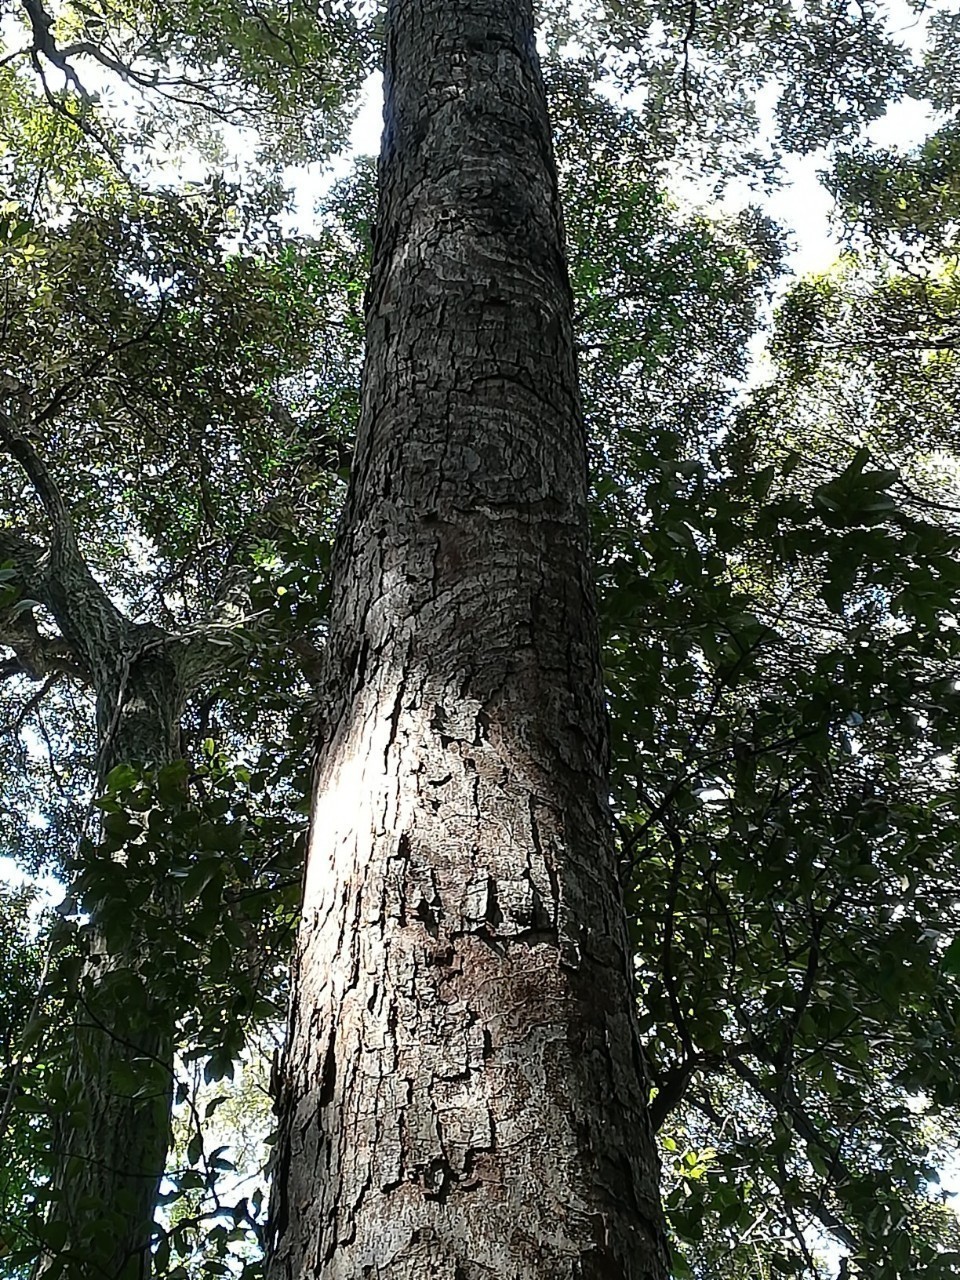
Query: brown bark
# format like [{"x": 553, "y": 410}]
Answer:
[{"x": 463, "y": 1094}]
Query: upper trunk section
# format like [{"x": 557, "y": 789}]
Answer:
[
  {"x": 464, "y": 1094},
  {"x": 141, "y": 693}
]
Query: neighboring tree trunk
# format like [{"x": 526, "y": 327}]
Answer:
[
  {"x": 464, "y": 1095},
  {"x": 113, "y": 1130},
  {"x": 111, "y": 1146}
]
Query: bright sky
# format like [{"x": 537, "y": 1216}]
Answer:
[{"x": 801, "y": 204}]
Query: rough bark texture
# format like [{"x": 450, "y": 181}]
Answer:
[{"x": 463, "y": 1094}]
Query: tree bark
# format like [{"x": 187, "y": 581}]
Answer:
[
  {"x": 111, "y": 1133},
  {"x": 110, "y": 1147},
  {"x": 463, "y": 1093}
]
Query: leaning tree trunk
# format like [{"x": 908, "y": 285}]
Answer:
[
  {"x": 111, "y": 1141},
  {"x": 463, "y": 1094}
]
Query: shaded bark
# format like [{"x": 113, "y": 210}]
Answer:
[
  {"x": 111, "y": 1142},
  {"x": 113, "y": 1128},
  {"x": 463, "y": 1093}
]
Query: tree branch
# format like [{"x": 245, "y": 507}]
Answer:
[
  {"x": 31, "y": 705},
  {"x": 783, "y": 1103},
  {"x": 37, "y": 656},
  {"x": 58, "y": 576}
]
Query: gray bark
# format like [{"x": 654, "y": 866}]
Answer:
[{"x": 463, "y": 1093}]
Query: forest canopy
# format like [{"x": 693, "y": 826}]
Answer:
[{"x": 775, "y": 516}]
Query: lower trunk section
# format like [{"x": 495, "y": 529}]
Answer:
[
  {"x": 113, "y": 1126},
  {"x": 467, "y": 1096},
  {"x": 111, "y": 1145}
]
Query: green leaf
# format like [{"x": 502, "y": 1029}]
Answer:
[
  {"x": 950, "y": 960},
  {"x": 221, "y": 956},
  {"x": 119, "y": 826},
  {"x": 195, "y": 1149},
  {"x": 199, "y": 877}
]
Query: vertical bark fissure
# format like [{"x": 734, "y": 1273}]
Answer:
[{"x": 463, "y": 1095}]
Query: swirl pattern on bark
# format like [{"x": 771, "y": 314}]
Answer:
[{"x": 463, "y": 1092}]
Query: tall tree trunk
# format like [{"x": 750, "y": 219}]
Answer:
[
  {"x": 111, "y": 1144},
  {"x": 463, "y": 1094}
]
